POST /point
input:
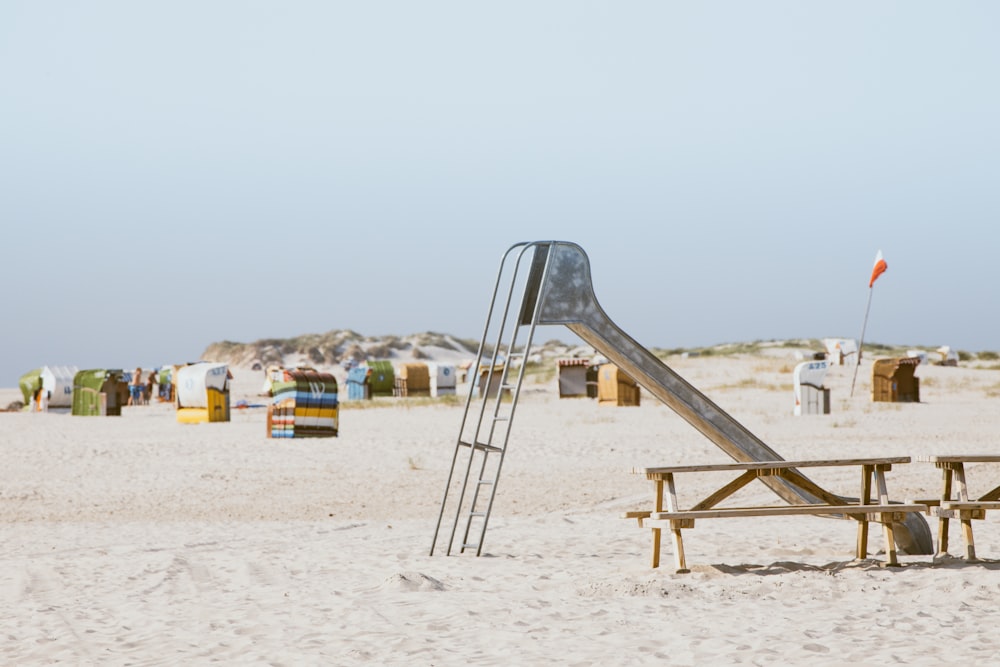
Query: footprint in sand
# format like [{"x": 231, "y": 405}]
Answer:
[{"x": 412, "y": 581}]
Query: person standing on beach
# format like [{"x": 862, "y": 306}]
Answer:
[
  {"x": 135, "y": 388},
  {"x": 150, "y": 383}
]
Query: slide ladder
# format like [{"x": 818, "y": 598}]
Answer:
[
  {"x": 497, "y": 375},
  {"x": 556, "y": 288}
]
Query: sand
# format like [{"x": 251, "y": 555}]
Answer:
[{"x": 141, "y": 541}]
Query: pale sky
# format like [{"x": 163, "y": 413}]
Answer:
[{"x": 178, "y": 173}]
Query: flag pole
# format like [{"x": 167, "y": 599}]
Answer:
[{"x": 861, "y": 343}]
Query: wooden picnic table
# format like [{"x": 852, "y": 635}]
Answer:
[
  {"x": 863, "y": 510},
  {"x": 962, "y": 507}
]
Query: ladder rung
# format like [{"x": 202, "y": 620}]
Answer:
[
  {"x": 501, "y": 418},
  {"x": 470, "y": 545},
  {"x": 480, "y": 445},
  {"x": 486, "y": 482},
  {"x": 472, "y": 514}
]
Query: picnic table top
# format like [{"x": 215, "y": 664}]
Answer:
[
  {"x": 773, "y": 465},
  {"x": 960, "y": 458}
]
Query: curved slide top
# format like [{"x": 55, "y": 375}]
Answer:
[{"x": 559, "y": 290}]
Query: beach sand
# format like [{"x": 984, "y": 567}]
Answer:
[{"x": 141, "y": 541}]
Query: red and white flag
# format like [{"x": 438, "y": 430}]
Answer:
[{"x": 878, "y": 269}]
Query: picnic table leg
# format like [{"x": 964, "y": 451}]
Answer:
[
  {"x": 657, "y": 507},
  {"x": 866, "y": 492},
  {"x": 943, "y": 520},
  {"x": 890, "y": 545},
  {"x": 970, "y": 545},
  {"x": 679, "y": 559},
  {"x": 965, "y": 515},
  {"x": 675, "y": 527},
  {"x": 883, "y": 499}
]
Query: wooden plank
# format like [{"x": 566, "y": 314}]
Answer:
[
  {"x": 679, "y": 560},
  {"x": 890, "y": 545},
  {"x": 861, "y": 548},
  {"x": 883, "y": 518},
  {"x": 961, "y": 458},
  {"x": 636, "y": 514},
  {"x": 946, "y": 475},
  {"x": 729, "y": 489},
  {"x": 658, "y": 506},
  {"x": 770, "y": 465},
  {"x": 970, "y": 504},
  {"x": 963, "y": 489},
  {"x": 671, "y": 495},
  {"x": 786, "y": 510},
  {"x": 970, "y": 544},
  {"x": 883, "y": 491},
  {"x": 945, "y": 514},
  {"x": 807, "y": 485},
  {"x": 930, "y": 502}
]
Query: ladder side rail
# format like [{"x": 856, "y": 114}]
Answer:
[
  {"x": 536, "y": 310},
  {"x": 468, "y": 403},
  {"x": 482, "y": 410},
  {"x": 473, "y": 512},
  {"x": 511, "y": 346},
  {"x": 498, "y": 346},
  {"x": 496, "y": 399},
  {"x": 503, "y": 447},
  {"x": 486, "y": 332},
  {"x": 539, "y": 246},
  {"x": 475, "y": 439}
]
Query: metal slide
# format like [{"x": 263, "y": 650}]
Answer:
[{"x": 558, "y": 290}]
